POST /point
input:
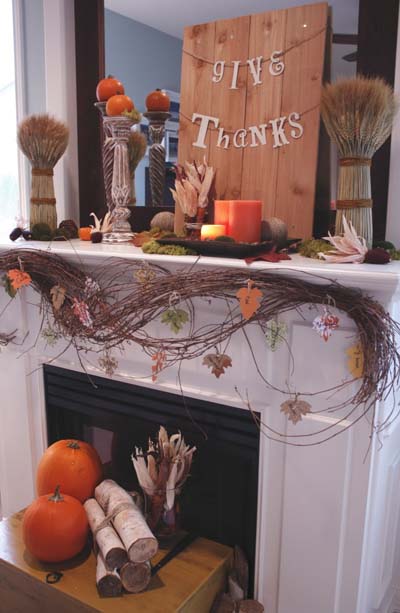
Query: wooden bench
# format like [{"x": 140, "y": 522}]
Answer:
[{"x": 188, "y": 583}]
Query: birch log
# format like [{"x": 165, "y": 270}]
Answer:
[
  {"x": 108, "y": 542},
  {"x": 128, "y": 521},
  {"x": 135, "y": 577},
  {"x": 108, "y": 581}
]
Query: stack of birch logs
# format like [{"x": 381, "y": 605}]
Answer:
[{"x": 123, "y": 542}]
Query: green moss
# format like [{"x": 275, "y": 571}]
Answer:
[
  {"x": 156, "y": 248},
  {"x": 394, "y": 254},
  {"x": 385, "y": 245},
  {"x": 311, "y": 247},
  {"x": 225, "y": 239},
  {"x": 41, "y": 232}
]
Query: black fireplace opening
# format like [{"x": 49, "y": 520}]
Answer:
[{"x": 219, "y": 500}]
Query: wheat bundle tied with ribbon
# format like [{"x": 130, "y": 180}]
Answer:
[
  {"x": 358, "y": 114},
  {"x": 43, "y": 140}
]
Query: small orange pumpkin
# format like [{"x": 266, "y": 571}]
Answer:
[
  {"x": 75, "y": 465},
  {"x": 116, "y": 105},
  {"x": 110, "y": 86},
  {"x": 55, "y": 528},
  {"x": 158, "y": 101},
  {"x": 85, "y": 233}
]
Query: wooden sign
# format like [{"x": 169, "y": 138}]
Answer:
[{"x": 250, "y": 96}]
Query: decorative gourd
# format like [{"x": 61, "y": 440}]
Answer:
[
  {"x": 110, "y": 86},
  {"x": 164, "y": 220},
  {"x": 55, "y": 528},
  {"x": 158, "y": 101},
  {"x": 85, "y": 233},
  {"x": 116, "y": 105},
  {"x": 75, "y": 465}
]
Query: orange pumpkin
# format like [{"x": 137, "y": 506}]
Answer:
[
  {"x": 108, "y": 87},
  {"x": 55, "y": 528},
  {"x": 116, "y": 105},
  {"x": 75, "y": 465},
  {"x": 85, "y": 233},
  {"x": 158, "y": 101}
]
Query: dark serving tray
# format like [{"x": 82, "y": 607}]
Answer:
[{"x": 220, "y": 248}]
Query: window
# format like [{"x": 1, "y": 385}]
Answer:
[{"x": 9, "y": 181}]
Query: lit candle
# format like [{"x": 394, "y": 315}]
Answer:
[
  {"x": 211, "y": 231},
  {"x": 221, "y": 213},
  {"x": 245, "y": 220}
]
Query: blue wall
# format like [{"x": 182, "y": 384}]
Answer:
[{"x": 143, "y": 59}]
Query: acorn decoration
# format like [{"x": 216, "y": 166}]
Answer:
[
  {"x": 377, "y": 256},
  {"x": 164, "y": 220}
]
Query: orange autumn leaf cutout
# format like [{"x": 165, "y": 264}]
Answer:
[
  {"x": 159, "y": 360},
  {"x": 18, "y": 278},
  {"x": 249, "y": 299}
]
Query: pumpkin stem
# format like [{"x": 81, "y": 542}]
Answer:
[
  {"x": 73, "y": 445},
  {"x": 56, "y": 497}
]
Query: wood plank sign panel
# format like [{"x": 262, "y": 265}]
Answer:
[{"x": 250, "y": 96}]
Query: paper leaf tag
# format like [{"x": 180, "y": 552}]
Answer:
[
  {"x": 355, "y": 362},
  {"x": 175, "y": 319},
  {"x": 218, "y": 362},
  {"x": 275, "y": 333},
  {"x": 50, "y": 336},
  {"x": 57, "y": 294},
  {"x": 325, "y": 324},
  {"x": 8, "y": 287},
  {"x": 108, "y": 363},
  {"x": 249, "y": 299},
  {"x": 18, "y": 278},
  {"x": 295, "y": 409},
  {"x": 81, "y": 310},
  {"x": 159, "y": 360}
]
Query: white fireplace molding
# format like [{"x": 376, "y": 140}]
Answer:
[{"x": 327, "y": 530}]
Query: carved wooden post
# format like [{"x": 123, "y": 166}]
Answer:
[
  {"x": 157, "y": 121},
  {"x": 119, "y": 129}
]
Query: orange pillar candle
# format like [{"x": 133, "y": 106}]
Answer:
[
  {"x": 211, "y": 231},
  {"x": 244, "y": 223},
  {"x": 221, "y": 213}
]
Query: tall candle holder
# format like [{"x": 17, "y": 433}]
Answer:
[
  {"x": 119, "y": 130},
  {"x": 157, "y": 121}
]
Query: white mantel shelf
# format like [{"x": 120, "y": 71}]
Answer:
[
  {"x": 328, "y": 536},
  {"x": 369, "y": 277}
]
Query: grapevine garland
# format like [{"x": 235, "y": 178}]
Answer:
[{"x": 114, "y": 306}]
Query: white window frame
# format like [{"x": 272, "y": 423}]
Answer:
[{"x": 20, "y": 97}]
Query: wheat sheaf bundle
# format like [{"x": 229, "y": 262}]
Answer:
[
  {"x": 358, "y": 114},
  {"x": 43, "y": 140}
]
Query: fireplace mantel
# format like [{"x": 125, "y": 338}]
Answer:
[{"x": 327, "y": 531}]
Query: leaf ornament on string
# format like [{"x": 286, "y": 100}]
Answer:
[
  {"x": 159, "y": 360},
  {"x": 18, "y": 278},
  {"x": 249, "y": 299},
  {"x": 218, "y": 362},
  {"x": 295, "y": 409},
  {"x": 175, "y": 319},
  {"x": 275, "y": 333},
  {"x": 8, "y": 287},
  {"x": 325, "y": 324},
  {"x": 81, "y": 310},
  {"x": 144, "y": 274},
  {"x": 108, "y": 363},
  {"x": 355, "y": 362},
  {"x": 57, "y": 294}
]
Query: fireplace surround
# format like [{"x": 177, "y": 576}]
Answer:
[
  {"x": 219, "y": 501},
  {"x": 327, "y": 525}
]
